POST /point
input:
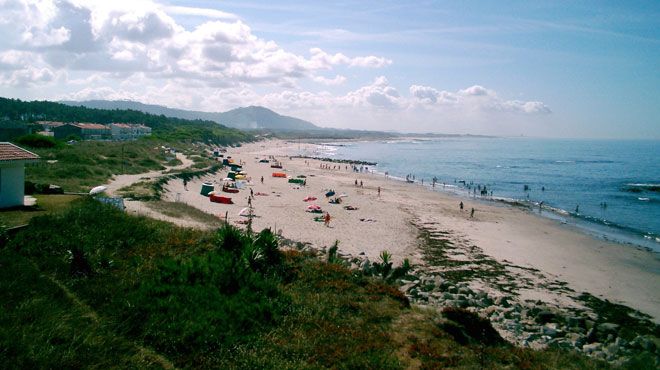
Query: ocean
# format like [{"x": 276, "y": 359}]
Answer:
[{"x": 609, "y": 188}]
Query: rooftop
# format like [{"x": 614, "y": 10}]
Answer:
[
  {"x": 11, "y": 152},
  {"x": 93, "y": 126}
]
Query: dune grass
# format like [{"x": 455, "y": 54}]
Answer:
[{"x": 94, "y": 287}]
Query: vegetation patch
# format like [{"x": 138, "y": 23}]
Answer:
[{"x": 94, "y": 287}]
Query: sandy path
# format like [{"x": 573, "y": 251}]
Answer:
[
  {"x": 617, "y": 272},
  {"x": 120, "y": 181}
]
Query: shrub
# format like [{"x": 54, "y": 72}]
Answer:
[{"x": 37, "y": 141}]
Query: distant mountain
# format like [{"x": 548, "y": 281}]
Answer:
[{"x": 249, "y": 118}]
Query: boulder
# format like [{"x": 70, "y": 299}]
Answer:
[{"x": 590, "y": 348}]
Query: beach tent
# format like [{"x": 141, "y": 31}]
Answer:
[
  {"x": 309, "y": 198},
  {"x": 297, "y": 181},
  {"x": 207, "y": 187},
  {"x": 279, "y": 174},
  {"x": 330, "y": 193}
]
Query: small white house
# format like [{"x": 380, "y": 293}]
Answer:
[{"x": 12, "y": 174}]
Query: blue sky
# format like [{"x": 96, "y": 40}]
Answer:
[{"x": 549, "y": 69}]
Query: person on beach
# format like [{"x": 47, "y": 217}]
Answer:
[
  {"x": 461, "y": 205},
  {"x": 185, "y": 184},
  {"x": 251, "y": 193},
  {"x": 356, "y": 184},
  {"x": 361, "y": 184},
  {"x": 262, "y": 179},
  {"x": 379, "y": 192},
  {"x": 472, "y": 213},
  {"x": 326, "y": 219}
]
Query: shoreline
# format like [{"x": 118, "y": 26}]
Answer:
[
  {"x": 593, "y": 226},
  {"x": 509, "y": 235}
]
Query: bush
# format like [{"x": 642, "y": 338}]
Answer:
[{"x": 37, "y": 141}]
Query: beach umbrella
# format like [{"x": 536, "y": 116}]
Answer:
[
  {"x": 330, "y": 193},
  {"x": 341, "y": 195},
  {"x": 227, "y": 179},
  {"x": 98, "y": 190}
]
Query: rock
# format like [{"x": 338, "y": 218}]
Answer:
[
  {"x": 611, "y": 350},
  {"x": 464, "y": 290},
  {"x": 575, "y": 339},
  {"x": 591, "y": 335},
  {"x": 407, "y": 287},
  {"x": 620, "y": 342},
  {"x": 576, "y": 321},
  {"x": 502, "y": 301},
  {"x": 607, "y": 328},
  {"x": 599, "y": 355},
  {"x": 590, "y": 348},
  {"x": 549, "y": 330},
  {"x": 452, "y": 289}
]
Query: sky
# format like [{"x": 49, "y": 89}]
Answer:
[{"x": 570, "y": 69}]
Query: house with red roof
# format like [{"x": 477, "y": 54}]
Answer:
[{"x": 12, "y": 174}]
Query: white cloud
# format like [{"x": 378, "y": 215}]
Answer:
[
  {"x": 200, "y": 12},
  {"x": 338, "y": 80},
  {"x": 141, "y": 37},
  {"x": 320, "y": 59},
  {"x": 138, "y": 50},
  {"x": 474, "y": 98}
]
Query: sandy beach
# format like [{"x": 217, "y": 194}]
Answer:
[{"x": 390, "y": 221}]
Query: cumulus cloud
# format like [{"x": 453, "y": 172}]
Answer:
[
  {"x": 338, "y": 80},
  {"x": 140, "y": 36},
  {"x": 379, "y": 94},
  {"x": 474, "y": 98},
  {"x": 199, "y": 12}
]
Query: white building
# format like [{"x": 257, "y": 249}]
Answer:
[
  {"x": 12, "y": 174},
  {"x": 125, "y": 131}
]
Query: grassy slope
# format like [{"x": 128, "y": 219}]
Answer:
[
  {"x": 152, "y": 294},
  {"x": 46, "y": 204}
]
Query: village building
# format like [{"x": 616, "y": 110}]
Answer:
[
  {"x": 85, "y": 131},
  {"x": 12, "y": 174},
  {"x": 125, "y": 131}
]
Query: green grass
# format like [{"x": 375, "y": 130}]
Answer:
[
  {"x": 45, "y": 204},
  {"x": 184, "y": 211},
  {"x": 86, "y": 164},
  {"x": 94, "y": 287}
]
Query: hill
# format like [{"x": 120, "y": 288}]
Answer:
[
  {"x": 165, "y": 128},
  {"x": 247, "y": 118}
]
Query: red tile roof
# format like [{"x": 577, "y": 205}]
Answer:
[
  {"x": 10, "y": 152},
  {"x": 93, "y": 126}
]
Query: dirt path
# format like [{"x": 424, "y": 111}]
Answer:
[{"x": 121, "y": 181}]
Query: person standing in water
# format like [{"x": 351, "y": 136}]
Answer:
[
  {"x": 461, "y": 205},
  {"x": 472, "y": 213}
]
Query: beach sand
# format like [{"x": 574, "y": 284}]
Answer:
[{"x": 619, "y": 273}]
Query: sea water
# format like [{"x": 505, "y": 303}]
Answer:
[{"x": 610, "y": 188}]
